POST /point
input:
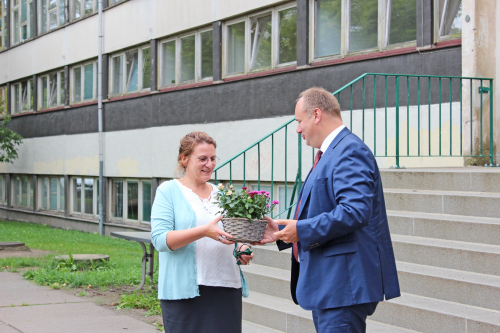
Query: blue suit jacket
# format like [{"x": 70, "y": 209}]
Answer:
[{"x": 345, "y": 248}]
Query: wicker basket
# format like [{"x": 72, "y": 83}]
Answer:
[{"x": 243, "y": 230}]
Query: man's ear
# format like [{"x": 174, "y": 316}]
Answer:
[{"x": 318, "y": 115}]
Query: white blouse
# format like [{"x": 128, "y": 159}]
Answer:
[{"x": 215, "y": 263}]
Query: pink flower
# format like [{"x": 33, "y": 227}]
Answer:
[
  {"x": 244, "y": 188},
  {"x": 268, "y": 206},
  {"x": 275, "y": 202}
]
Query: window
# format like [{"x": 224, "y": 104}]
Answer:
[
  {"x": 261, "y": 41},
  {"x": 187, "y": 58},
  {"x": 85, "y": 196},
  {"x": 22, "y": 191},
  {"x": 113, "y": 2},
  {"x": 363, "y": 26},
  {"x": 448, "y": 18},
  {"x": 81, "y": 8},
  {"x": 22, "y": 20},
  {"x": 51, "y": 14},
  {"x": 22, "y": 97},
  {"x": 51, "y": 90},
  {"x": 131, "y": 71},
  {"x": 131, "y": 200},
  {"x": 3, "y": 22},
  {"x": 84, "y": 82},
  {"x": 3, "y": 98},
  {"x": 284, "y": 202},
  {"x": 3, "y": 196},
  {"x": 51, "y": 194}
]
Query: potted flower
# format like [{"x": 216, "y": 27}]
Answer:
[{"x": 243, "y": 213}]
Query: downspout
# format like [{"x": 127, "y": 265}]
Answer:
[{"x": 99, "y": 116}]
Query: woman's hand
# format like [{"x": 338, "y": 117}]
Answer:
[
  {"x": 213, "y": 231},
  {"x": 245, "y": 260}
]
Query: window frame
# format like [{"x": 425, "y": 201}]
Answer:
[
  {"x": 197, "y": 59},
  {"x": 56, "y": 9},
  {"x": 140, "y": 82},
  {"x": 14, "y": 97},
  {"x": 437, "y": 22},
  {"x": 382, "y": 32},
  {"x": 3, "y": 187},
  {"x": 95, "y": 193},
  {"x": 28, "y": 196},
  {"x": 71, "y": 5},
  {"x": 82, "y": 88},
  {"x": 59, "y": 209},
  {"x": 58, "y": 89},
  {"x": 274, "y": 11},
  {"x": 140, "y": 200},
  {"x": 26, "y": 24},
  {"x": 3, "y": 19}
]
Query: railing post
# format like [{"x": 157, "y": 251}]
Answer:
[
  {"x": 491, "y": 122},
  {"x": 397, "y": 121}
]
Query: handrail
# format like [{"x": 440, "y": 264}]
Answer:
[{"x": 429, "y": 111}]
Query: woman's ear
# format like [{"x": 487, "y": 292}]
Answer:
[{"x": 184, "y": 160}]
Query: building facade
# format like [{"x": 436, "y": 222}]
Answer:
[{"x": 231, "y": 68}]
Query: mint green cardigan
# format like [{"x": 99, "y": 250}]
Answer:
[{"x": 177, "y": 277}]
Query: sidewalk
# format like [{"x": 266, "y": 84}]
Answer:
[{"x": 28, "y": 308}]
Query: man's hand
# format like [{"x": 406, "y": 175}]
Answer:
[
  {"x": 289, "y": 234},
  {"x": 271, "y": 229}
]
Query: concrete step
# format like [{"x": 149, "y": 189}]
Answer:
[
  {"x": 485, "y": 230},
  {"x": 249, "y": 327},
  {"x": 443, "y": 202},
  {"x": 280, "y": 315},
  {"x": 450, "y": 285},
  {"x": 474, "y": 179},
  {"x": 269, "y": 255},
  {"x": 430, "y": 315},
  {"x": 268, "y": 280},
  {"x": 276, "y": 313},
  {"x": 464, "y": 256}
]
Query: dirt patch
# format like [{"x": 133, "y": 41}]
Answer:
[
  {"x": 110, "y": 298},
  {"x": 32, "y": 253}
]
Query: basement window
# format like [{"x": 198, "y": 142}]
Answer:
[
  {"x": 52, "y": 14},
  {"x": 448, "y": 18},
  {"x": 130, "y": 200},
  {"x": 22, "y": 97},
  {"x": 51, "y": 194},
  {"x": 131, "y": 71},
  {"x": 186, "y": 58},
  {"x": 84, "y": 82},
  {"x": 22, "y": 191},
  {"x": 22, "y": 20},
  {"x": 51, "y": 90},
  {"x": 84, "y": 196},
  {"x": 261, "y": 41}
]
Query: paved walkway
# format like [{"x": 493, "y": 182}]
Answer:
[{"x": 28, "y": 308}]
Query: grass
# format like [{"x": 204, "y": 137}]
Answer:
[{"x": 124, "y": 267}]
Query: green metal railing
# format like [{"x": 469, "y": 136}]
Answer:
[{"x": 377, "y": 107}]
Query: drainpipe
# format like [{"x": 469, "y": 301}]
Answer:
[{"x": 99, "y": 116}]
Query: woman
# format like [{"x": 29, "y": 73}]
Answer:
[{"x": 200, "y": 284}]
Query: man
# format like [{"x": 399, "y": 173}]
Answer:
[{"x": 342, "y": 262}]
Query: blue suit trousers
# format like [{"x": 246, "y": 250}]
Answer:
[{"x": 346, "y": 319}]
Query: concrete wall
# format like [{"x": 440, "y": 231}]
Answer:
[{"x": 480, "y": 58}]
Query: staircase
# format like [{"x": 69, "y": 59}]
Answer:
[{"x": 445, "y": 227}]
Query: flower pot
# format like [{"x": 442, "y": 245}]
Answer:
[{"x": 243, "y": 230}]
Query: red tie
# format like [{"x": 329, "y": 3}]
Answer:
[{"x": 295, "y": 248}]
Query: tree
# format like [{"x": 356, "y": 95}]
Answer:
[{"x": 8, "y": 138}]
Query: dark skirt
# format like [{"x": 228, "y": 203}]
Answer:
[{"x": 216, "y": 310}]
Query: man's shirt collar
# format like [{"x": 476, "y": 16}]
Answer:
[{"x": 330, "y": 138}]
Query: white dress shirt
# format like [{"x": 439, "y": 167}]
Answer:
[{"x": 329, "y": 139}]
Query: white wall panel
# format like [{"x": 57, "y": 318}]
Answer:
[{"x": 227, "y": 8}]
